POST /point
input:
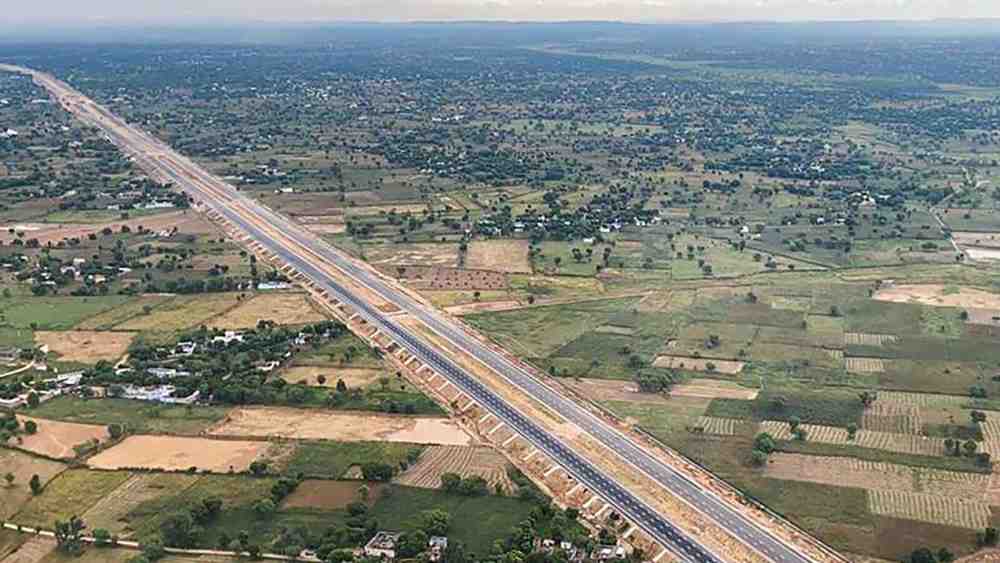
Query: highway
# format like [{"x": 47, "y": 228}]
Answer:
[{"x": 325, "y": 265}]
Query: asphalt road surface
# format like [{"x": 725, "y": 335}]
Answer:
[{"x": 313, "y": 257}]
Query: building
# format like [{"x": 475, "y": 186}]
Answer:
[{"x": 383, "y": 545}]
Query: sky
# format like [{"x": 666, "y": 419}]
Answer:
[{"x": 77, "y": 12}]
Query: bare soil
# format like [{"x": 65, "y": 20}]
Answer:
[
  {"x": 937, "y": 296},
  {"x": 728, "y": 367},
  {"x": 23, "y": 466},
  {"x": 185, "y": 221},
  {"x": 309, "y": 424},
  {"x": 56, "y": 439},
  {"x": 172, "y": 453},
  {"x": 509, "y": 256},
  {"x": 330, "y": 495},
  {"x": 85, "y": 346}
]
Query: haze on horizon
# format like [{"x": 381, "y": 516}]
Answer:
[{"x": 74, "y": 13}]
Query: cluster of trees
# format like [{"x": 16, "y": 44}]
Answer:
[{"x": 468, "y": 486}]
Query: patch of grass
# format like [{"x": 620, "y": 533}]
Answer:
[
  {"x": 237, "y": 492},
  {"x": 55, "y": 312},
  {"x": 333, "y": 459},
  {"x": 828, "y": 407},
  {"x": 139, "y": 416},
  {"x": 475, "y": 521},
  {"x": 72, "y": 492},
  {"x": 16, "y": 337}
]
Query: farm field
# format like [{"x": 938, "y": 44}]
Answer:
[
  {"x": 111, "y": 511},
  {"x": 173, "y": 453},
  {"x": 84, "y": 346},
  {"x": 464, "y": 461},
  {"x": 56, "y": 439},
  {"x": 74, "y": 491},
  {"x": 279, "y": 307},
  {"x": 312, "y": 424},
  {"x": 337, "y": 460},
  {"x": 352, "y": 377},
  {"x": 23, "y": 466},
  {"x": 182, "y": 312},
  {"x": 137, "y": 416}
]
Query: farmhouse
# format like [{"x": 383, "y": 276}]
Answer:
[
  {"x": 435, "y": 547},
  {"x": 383, "y": 545}
]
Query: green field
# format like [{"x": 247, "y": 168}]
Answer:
[
  {"x": 55, "y": 313},
  {"x": 331, "y": 460},
  {"x": 138, "y": 416}
]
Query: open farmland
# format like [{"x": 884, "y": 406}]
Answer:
[
  {"x": 464, "y": 461},
  {"x": 173, "y": 453},
  {"x": 84, "y": 346},
  {"x": 23, "y": 466},
  {"x": 110, "y": 511},
  {"x": 939, "y": 296},
  {"x": 322, "y": 494},
  {"x": 930, "y": 508},
  {"x": 182, "y": 312},
  {"x": 279, "y": 307},
  {"x": 312, "y": 424},
  {"x": 137, "y": 416},
  {"x": 56, "y": 439},
  {"x": 74, "y": 491},
  {"x": 509, "y": 256}
]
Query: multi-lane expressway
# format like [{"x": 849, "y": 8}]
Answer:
[{"x": 324, "y": 265}]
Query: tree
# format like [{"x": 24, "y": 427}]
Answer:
[
  {"x": 758, "y": 458},
  {"x": 852, "y": 431},
  {"x": 68, "y": 535},
  {"x": 800, "y": 434},
  {"x": 180, "y": 530},
  {"x": 9, "y": 477},
  {"x": 258, "y": 468},
  {"x": 435, "y": 522},
  {"x": 450, "y": 482},
  {"x": 115, "y": 431},
  {"x": 944, "y": 555},
  {"x": 970, "y": 447},
  {"x": 36, "y": 484},
  {"x": 33, "y": 400},
  {"x": 977, "y": 417},
  {"x": 153, "y": 550},
  {"x": 794, "y": 422},
  {"x": 412, "y": 544},
  {"x": 377, "y": 471},
  {"x": 30, "y": 426},
  {"x": 102, "y": 537},
  {"x": 341, "y": 386},
  {"x": 321, "y": 379},
  {"x": 764, "y": 442},
  {"x": 989, "y": 536},
  {"x": 922, "y": 555},
  {"x": 264, "y": 508}
]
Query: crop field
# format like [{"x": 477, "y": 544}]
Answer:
[
  {"x": 84, "y": 346},
  {"x": 137, "y": 416},
  {"x": 865, "y": 365},
  {"x": 23, "y": 466},
  {"x": 930, "y": 508},
  {"x": 74, "y": 491},
  {"x": 279, "y": 307},
  {"x": 326, "y": 425},
  {"x": 718, "y": 426},
  {"x": 465, "y": 461},
  {"x": 892, "y": 417},
  {"x": 878, "y": 476},
  {"x": 173, "y": 453},
  {"x": 33, "y": 550},
  {"x": 862, "y": 339},
  {"x": 56, "y": 439},
  {"x": 110, "y": 512}
]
